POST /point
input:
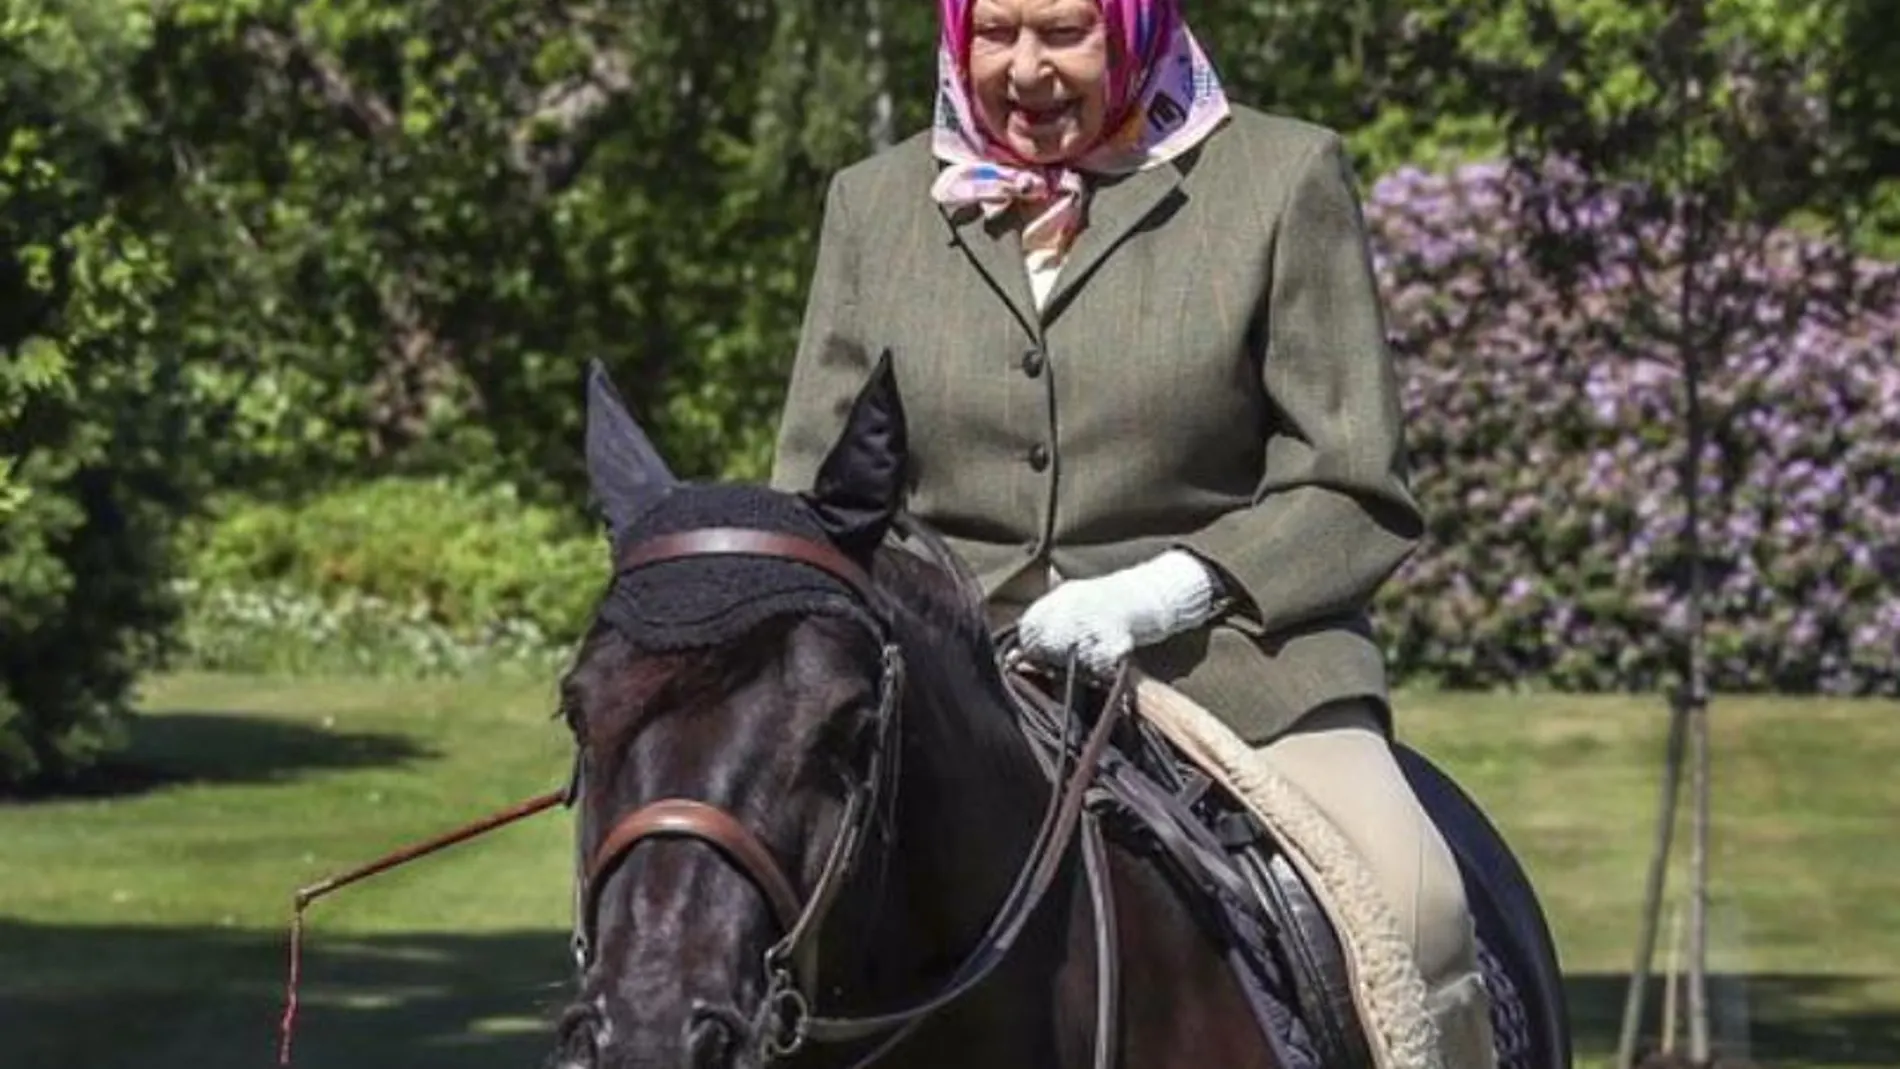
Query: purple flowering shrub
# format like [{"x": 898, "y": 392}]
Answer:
[{"x": 1547, "y": 435}]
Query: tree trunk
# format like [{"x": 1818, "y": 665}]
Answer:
[
  {"x": 1672, "y": 982},
  {"x": 1653, "y": 893},
  {"x": 883, "y": 117},
  {"x": 1694, "y": 351},
  {"x": 1700, "y": 341},
  {"x": 1698, "y": 996}
]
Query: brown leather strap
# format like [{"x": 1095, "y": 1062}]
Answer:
[
  {"x": 685, "y": 818},
  {"x": 726, "y": 541},
  {"x": 1108, "y": 986}
]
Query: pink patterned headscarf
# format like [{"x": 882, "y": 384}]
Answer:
[{"x": 1163, "y": 99}]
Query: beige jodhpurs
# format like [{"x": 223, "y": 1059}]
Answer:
[{"x": 1338, "y": 757}]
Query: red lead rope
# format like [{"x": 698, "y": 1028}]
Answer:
[{"x": 323, "y": 887}]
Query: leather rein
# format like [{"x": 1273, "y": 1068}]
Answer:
[{"x": 784, "y": 1021}]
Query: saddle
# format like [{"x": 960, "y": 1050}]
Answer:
[{"x": 1153, "y": 798}]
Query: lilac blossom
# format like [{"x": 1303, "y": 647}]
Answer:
[{"x": 1546, "y": 431}]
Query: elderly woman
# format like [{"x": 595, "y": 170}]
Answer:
[{"x": 1140, "y": 348}]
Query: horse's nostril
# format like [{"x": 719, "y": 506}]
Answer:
[
  {"x": 712, "y": 1038},
  {"x": 578, "y": 1039},
  {"x": 710, "y": 1046}
]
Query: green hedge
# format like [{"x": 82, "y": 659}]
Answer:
[{"x": 393, "y": 576}]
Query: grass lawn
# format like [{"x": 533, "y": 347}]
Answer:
[{"x": 146, "y": 928}]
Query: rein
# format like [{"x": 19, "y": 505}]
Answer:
[{"x": 784, "y": 1022}]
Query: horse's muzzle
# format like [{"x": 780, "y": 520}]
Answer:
[{"x": 710, "y": 1038}]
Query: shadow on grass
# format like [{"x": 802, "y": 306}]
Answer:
[
  {"x": 172, "y": 748},
  {"x": 209, "y": 998},
  {"x": 1776, "y": 1020}
]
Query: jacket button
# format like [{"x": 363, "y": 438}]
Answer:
[
  {"x": 1032, "y": 362},
  {"x": 1038, "y": 456}
]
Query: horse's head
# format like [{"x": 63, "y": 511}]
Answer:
[{"x": 729, "y": 708}]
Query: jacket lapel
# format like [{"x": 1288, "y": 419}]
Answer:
[
  {"x": 997, "y": 250},
  {"x": 1115, "y": 209}
]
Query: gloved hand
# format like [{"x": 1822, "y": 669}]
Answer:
[{"x": 1104, "y": 619}]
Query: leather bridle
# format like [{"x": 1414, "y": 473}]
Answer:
[{"x": 783, "y": 1021}]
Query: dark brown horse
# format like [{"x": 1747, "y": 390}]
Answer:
[{"x": 812, "y": 827}]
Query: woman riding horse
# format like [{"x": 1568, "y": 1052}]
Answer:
[{"x": 1143, "y": 360}]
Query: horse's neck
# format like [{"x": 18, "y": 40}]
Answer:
[
  {"x": 969, "y": 793},
  {"x": 970, "y": 798}
]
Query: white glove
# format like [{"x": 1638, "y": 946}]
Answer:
[{"x": 1103, "y": 620}]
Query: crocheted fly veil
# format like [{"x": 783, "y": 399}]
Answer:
[{"x": 703, "y": 601}]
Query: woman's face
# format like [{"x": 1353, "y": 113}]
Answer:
[{"x": 1039, "y": 73}]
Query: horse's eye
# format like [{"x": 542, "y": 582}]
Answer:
[{"x": 568, "y": 704}]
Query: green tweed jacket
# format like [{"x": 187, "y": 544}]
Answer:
[{"x": 1210, "y": 371}]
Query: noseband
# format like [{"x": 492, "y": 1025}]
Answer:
[{"x": 783, "y": 1021}]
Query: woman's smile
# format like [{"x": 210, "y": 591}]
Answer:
[{"x": 1041, "y": 120}]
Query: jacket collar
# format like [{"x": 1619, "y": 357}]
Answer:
[{"x": 1115, "y": 209}]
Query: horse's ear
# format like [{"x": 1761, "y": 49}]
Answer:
[
  {"x": 860, "y": 485},
  {"x": 624, "y": 471}
]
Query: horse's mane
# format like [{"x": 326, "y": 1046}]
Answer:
[
  {"x": 940, "y": 604},
  {"x": 935, "y": 587}
]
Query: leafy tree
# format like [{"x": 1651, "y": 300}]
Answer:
[
  {"x": 414, "y": 224},
  {"x": 90, "y": 424}
]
